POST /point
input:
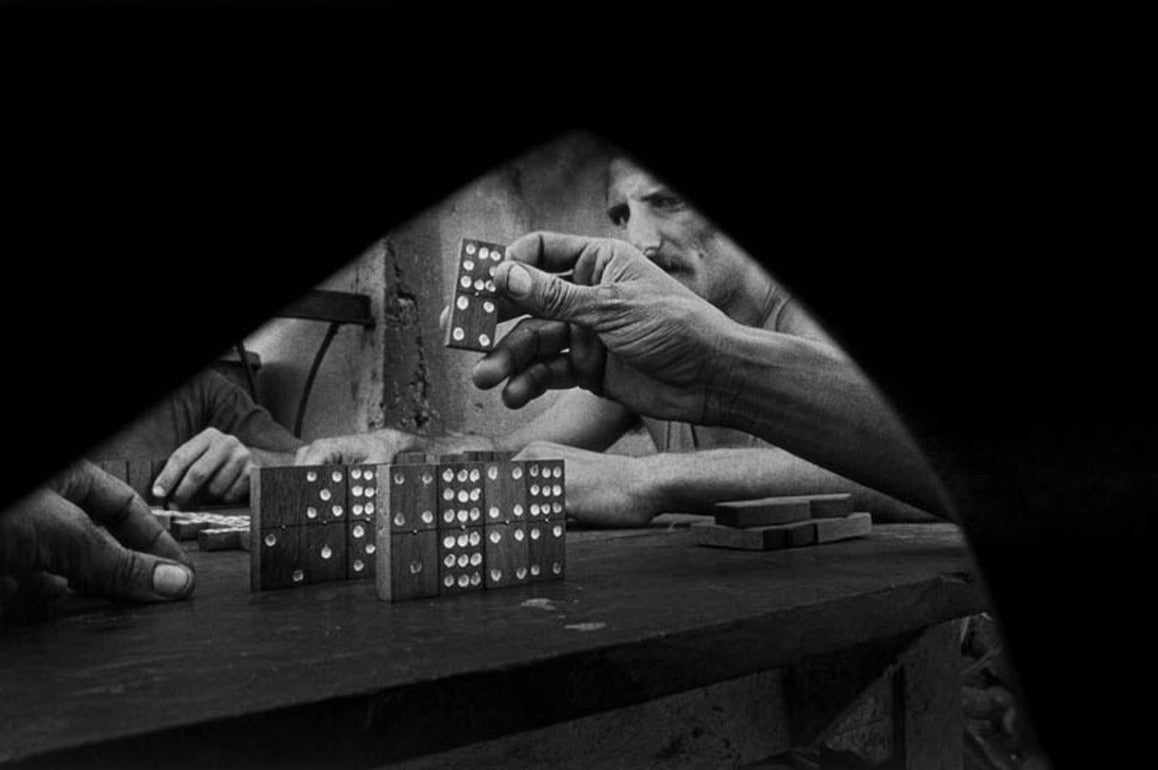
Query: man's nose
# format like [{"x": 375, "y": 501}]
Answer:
[{"x": 642, "y": 232}]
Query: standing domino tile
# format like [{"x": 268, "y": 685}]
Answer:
[
  {"x": 506, "y": 555},
  {"x": 361, "y": 506},
  {"x": 406, "y": 534},
  {"x": 461, "y": 506},
  {"x": 545, "y": 490},
  {"x": 298, "y": 528}
]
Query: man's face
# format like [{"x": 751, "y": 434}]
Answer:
[{"x": 670, "y": 233}]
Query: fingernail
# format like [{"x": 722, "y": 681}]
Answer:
[
  {"x": 171, "y": 581},
  {"x": 518, "y": 281},
  {"x": 158, "y": 490}
]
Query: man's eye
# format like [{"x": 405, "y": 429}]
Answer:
[
  {"x": 618, "y": 215},
  {"x": 667, "y": 202}
]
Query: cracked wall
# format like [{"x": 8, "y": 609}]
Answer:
[
  {"x": 427, "y": 387},
  {"x": 400, "y": 374}
]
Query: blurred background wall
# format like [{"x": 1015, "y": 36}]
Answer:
[{"x": 399, "y": 374}]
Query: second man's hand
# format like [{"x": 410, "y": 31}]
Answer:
[
  {"x": 376, "y": 447},
  {"x": 211, "y": 464}
]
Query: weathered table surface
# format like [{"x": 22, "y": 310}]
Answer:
[{"x": 328, "y": 674}]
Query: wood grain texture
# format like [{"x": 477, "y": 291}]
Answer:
[
  {"x": 408, "y": 496},
  {"x": 476, "y": 260},
  {"x": 554, "y": 550},
  {"x": 360, "y": 550},
  {"x": 545, "y": 490},
  {"x": 277, "y": 558},
  {"x": 472, "y": 324},
  {"x": 461, "y": 560},
  {"x": 323, "y": 552},
  {"x": 506, "y": 555},
  {"x": 505, "y": 492},
  {"x": 326, "y": 675},
  {"x": 406, "y": 565},
  {"x": 729, "y": 724},
  {"x": 932, "y": 726},
  {"x": 460, "y": 497},
  {"x": 295, "y": 496},
  {"x": 362, "y": 495},
  {"x": 827, "y": 506},
  {"x": 762, "y": 512},
  {"x": 219, "y": 539},
  {"x": 766, "y": 538},
  {"x": 831, "y": 530}
]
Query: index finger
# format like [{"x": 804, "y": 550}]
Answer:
[
  {"x": 552, "y": 252},
  {"x": 183, "y": 456},
  {"x": 112, "y": 503}
]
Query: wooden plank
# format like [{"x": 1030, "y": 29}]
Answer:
[
  {"x": 327, "y": 675},
  {"x": 931, "y": 690},
  {"x": 725, "y": 725}
]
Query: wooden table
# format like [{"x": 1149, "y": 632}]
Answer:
[{"x": 647, "y": 642}]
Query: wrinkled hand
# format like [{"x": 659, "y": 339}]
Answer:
[
  {"x": 52, "y": 536},
  {"x": 212, "y": 464},
  {"x": 361, "y": 448},
  {"x": 623, "y": 329},
  {"x": 601, "y": 490}
]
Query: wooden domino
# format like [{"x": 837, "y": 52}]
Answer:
[
  {"x": 765, "y": 538},
  {"x": 830, "y": 506},
  {"x": 406, "y": 533},
  {"x": 476, "y": 262},
  {"x": 545, "y": 485},
  {"x": 473, "y": 312},
  {"x": 298, "y": 525},
  {"x": 220, "y": 538},
  {"x": 187, "y": 528},
  {"x": 761, "y": 513},
  {"x": 425, "y": 527},
  {"x": 323, "y": 551},
  {"x": 506, "y": 555},
  {"x": 473, "y": 322},
  {"x": 362, "y": 501},
  {"x": 460, "y": 526},
  {"x": 505, "y": 492},
  {"x": 831, "y": 529}
]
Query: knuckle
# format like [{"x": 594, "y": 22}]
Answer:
[{"x": 554, "y": 297}]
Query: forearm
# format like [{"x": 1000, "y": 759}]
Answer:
[
  {"x": 692, "y": 482},
  {"x": 811, "y": 400},
  {"x": 577, "y": 419}
]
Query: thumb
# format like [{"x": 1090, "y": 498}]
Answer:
[
  {"x": 94, "y": 561},
  {"x": 545, "y": 295},
  {"x": 120, "y": 573}
]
